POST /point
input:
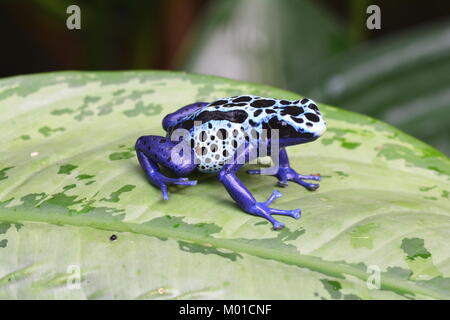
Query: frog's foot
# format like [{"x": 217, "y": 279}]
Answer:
[
  {"x": 262, "y": 209},
  {"x": 162, "y": 181},
  {"x": 286, "y": 174}
]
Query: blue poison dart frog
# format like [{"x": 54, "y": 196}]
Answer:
[{"x": 221, "y": 136}]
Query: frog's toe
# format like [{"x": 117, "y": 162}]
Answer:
[
  {"x": 275, "y": 195},
  {"x": 309, "y": 186},
  {"x": 186, "y": 182},
  {"x": 164, "y": 191},
  {"x": 282, "y": 183},
  {"x": 291, "y": 213},
  {"x": 277, "y": 225},
  {"x": 180, "y": 181},
  {"x": 315, "y": 177}
]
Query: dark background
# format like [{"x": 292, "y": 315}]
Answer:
[
  {"x": 123, "y": 35},
  {"x": 304, "y": 45}
]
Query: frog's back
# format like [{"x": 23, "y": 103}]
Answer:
[{"x": 219, "y": 128}]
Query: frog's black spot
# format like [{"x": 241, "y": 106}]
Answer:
[
  {"x": 207, "y": 160},
  {"x": 298, "y": 120},
  {"x": 218, "y": 102},
  {"x": 188, "y": 124},
  {"x": 304, "y": 101},
  {"x": 243, "y": 99},
  {"x": 257, "y": 113},
  {"x": 213, "y": 137},
  {"x": 309, "y": 124},
  {"x": 253, "y": 123},
  {"x": 270, "y": 111},
  {"x": 313, "y": 106},
  {"x": 217, "y": 156},
  {"x": 235, "y": 132},
  {"x": 192, "y": 143},
  {"x": 262, "y": 103},
  {"x": 204, "y": 151},
  {"x": 203, "y": 136},
  {"x": 203, "y": 167},
  {"x": 235, "y": 116},
  {"x": 234, "y": 143},
  {"x": 214, "y": 147},
  {"x": 295, "y": 102},
  {"x": 292, "y": 110},
  {"x": 284, "y": 129},
  {"x": 225, "y": 153},
  {"x": 222, "y": 134},
  {"x": 210, "y": 125},
  {"x": 285, "y": 102},
  {"x": 312, "y": 117}
]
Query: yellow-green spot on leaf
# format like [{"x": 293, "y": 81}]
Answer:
[
  {"x": 3, "y": 175},
  {"x": 59, "y": 112},
  {"x": 114, "y": 197},
  {"x": 84, "y": 176},
  {"x": 333, "y": 288},
  {"x": 445, "y": 194},
  {"x": 362, "y": 236},
  {"x": 339, "y": 136},
  {"x": 123, "y": 155},
  {"x": 47, "y": 131},
  {"x": 68, "y": 187},
  {"x": 141, "y": 109},
  {"x": 25, "y": 137},
  {"x": 425, "y": 189},
  {"x": 419, "y": 259},
  {"x": 423, "y": 158},
  {"x": 66, "y": 169},
  {"x": 3, "y": 243},
  {"x": 4, "y": 227},
  {"x": 342, "y": 173},
  {"x": 194, "y": 248}
]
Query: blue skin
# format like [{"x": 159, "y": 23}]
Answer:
[{"x": 237, "y": 123}]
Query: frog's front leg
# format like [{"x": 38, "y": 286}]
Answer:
[
  {"x": 245, "y": 199},
  {"x": 154, "y": 150},
  {"x": 285, "y": 173}
]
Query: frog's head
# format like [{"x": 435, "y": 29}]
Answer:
[{"x": 298, "y": 123}]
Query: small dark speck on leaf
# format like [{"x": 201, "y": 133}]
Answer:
[{"x": 113, "y": 237}]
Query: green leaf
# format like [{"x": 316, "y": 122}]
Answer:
[{"x": 75, "y": 202}]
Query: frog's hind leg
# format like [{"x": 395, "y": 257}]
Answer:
[
  {"x": 285, "y": 173},
  {"x": 154, "y": 150},
  {"x": 172, "y": 119},
  {"x": 245, "y": 199}
]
